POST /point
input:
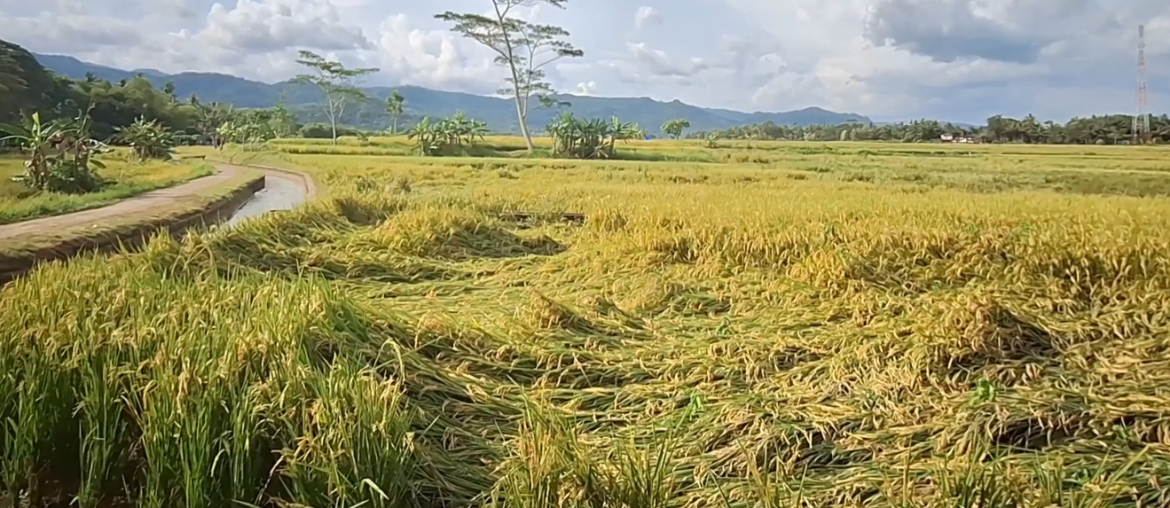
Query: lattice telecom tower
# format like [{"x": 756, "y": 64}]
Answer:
[{"x": 1141, "y": 121}]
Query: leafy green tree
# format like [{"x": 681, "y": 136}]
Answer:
[
  {"x": 524, "y": 48},
  {"x": 676, "y": 127},
  {"x": 338, "y": 85},
  {"x": 395, "y": 107},
  {"x": 29, "y": 88}
]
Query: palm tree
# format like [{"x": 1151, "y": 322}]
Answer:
[{"x": 395, "y": 106}]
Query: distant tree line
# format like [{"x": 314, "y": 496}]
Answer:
[
  {"x": 1098, "y": 130},
  {"x": 26, "y": 87}
]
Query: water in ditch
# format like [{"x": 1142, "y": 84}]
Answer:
[{"x": 277, "y": 194}]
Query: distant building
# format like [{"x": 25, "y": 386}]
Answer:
[{"x": 950, "y": 138}]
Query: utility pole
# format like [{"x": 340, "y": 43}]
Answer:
[{"x": 1141, "y": 120}]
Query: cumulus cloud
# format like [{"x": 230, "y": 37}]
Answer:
[
  {"x": 957, "y": 59},
  {"x": 949, "y": 30},
  {"x": 657, "y": 63},
  {"x": 70, "y": 33},
  {"x": 273, "y": 25},
  {"x": 645, "y": 16},
  {"x": 434, "y": 58},
  {"x": 257, "y": 39}
]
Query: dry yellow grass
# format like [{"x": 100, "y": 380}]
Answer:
[{"x": 719, "y": 335}]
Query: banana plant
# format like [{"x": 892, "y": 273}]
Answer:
[
  {"x": 426, "y": 135},
  {"x": 713, "y": 140},
  {"x": 252, "y": 133},
  {"x": 148, "y": 139},
  {"x": 456, "y": 131},
  {"x": 59, "y": 153},
  {"x": 478, "y": 130},
  {"x": 590, "y": 139},
  {"x": 36, "y": 139}
]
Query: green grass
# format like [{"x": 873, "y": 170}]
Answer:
[
  {"x": 713, "y": 335},
  {"x": 127, "y": 179}
]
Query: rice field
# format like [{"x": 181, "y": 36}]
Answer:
[
  {"x": 126, "y": 179},
  {"x": 820, "y": 325}
]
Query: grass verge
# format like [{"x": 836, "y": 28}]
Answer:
[
  {"x": 127, "y": 178},
  {"x": 20, "y": 254}
]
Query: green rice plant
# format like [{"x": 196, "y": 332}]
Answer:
[
  {"x": 244, "y": 445},
  {"x": 547, "y": 466},
  {"x": 353, "y": 443},
  {"x": 101, "y": 411},
  {"x": 36, "y": 428},
  {"x": 157, "y": 418}
]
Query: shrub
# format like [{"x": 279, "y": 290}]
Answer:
[
  {"x": 589, "y": 139},
  {"x": 148, "y": 140}
]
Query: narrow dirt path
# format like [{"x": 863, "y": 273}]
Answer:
[
  {"x": 143, "y": 202},
  {"x": 129, "y": 206}
]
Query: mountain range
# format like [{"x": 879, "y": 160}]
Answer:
[{"x": 499, "y": 113}]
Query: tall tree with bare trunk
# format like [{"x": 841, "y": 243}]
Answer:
[
  {"x": 523, "y": 47},
  {"x": 338, "y": 85}
]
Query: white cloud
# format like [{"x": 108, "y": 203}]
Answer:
[
  {"x": 646, "y": 64},
  {"x": 264, "y": 26},
  {"x": 70, "y": 33},
  {"x": 433, "y": 58},
  {"x": 646, "y": 16},
  {"x": 586, "y": 88},
  {"x": 893, "y": 59}
]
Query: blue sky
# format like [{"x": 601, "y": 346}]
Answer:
[{"x": 959, "y": 60}]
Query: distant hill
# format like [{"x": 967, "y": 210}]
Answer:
[{"x": 500, "y": 114}]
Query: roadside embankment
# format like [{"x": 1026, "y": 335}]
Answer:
[{"x": 202, "y": 202}]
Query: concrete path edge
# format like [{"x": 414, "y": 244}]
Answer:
[{"x": 135, "y": 222}]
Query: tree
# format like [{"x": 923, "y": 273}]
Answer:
[
  {"x": 676, "y": 127},
  {"x": 395, "y": 106},
  {"x": 338, "y": 84},
  {"x": 522, "y": 47},
  {"x": 281, "y": 120},
  {"x": 209, "y": 118}
]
